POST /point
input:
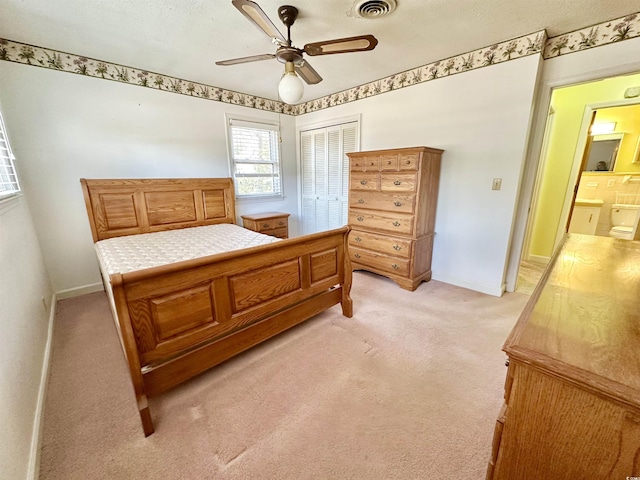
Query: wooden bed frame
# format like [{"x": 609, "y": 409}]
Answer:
[{"x": 178, "y": 320}]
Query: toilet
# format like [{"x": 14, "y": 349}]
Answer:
[{"x": 624, "y": 220}]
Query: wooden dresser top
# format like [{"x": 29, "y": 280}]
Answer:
[{"x": 583, "y": 320}]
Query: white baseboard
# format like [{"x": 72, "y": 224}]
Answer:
[
  {"x": 495, "y": 290},
  {"x": 36, "y": 437},
  {"x": 539, "y": 259},
  {"x": 77, "y": 291}
]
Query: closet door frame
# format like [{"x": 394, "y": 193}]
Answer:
[{"x": 336, "y": 122}]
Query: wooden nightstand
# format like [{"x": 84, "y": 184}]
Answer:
[{"x": 275, "y": 224}]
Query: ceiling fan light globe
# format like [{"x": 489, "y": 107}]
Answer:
[{"x": 290, "y": 88}]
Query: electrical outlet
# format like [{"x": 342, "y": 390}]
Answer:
[
  {"x": 611, "y": 182},
  {"x": 497, "y": 184}
]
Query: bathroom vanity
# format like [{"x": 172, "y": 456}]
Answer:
[
  {"x": 585, "y": 216},
  {"x": 572, "y": 392}
]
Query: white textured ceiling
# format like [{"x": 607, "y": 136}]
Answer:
[{"x": 183, "y": 38}]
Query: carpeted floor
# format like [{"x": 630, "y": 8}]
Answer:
[{"x": 409, "y": 388}]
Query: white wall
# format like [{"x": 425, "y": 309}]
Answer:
[
  {"x": 68, "y": 126},
  {"x": 23, "y": 334},
  {"x": 481, "y": 119},
  {"x": 614, "y": 59}
]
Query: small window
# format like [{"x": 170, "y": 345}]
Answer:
[
  {"x": 8, "y": 178},
  {"x": 254, "y": 157}
]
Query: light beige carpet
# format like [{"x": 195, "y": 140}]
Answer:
[{"x": 409, "y": 388}]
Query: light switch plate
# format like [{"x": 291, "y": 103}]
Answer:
[{"x": 497, "y": 183}]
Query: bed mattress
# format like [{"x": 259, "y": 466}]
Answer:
[{"x": 137, "y": 252}]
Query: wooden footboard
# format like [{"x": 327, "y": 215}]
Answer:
[{"x": 178, "y": 320}]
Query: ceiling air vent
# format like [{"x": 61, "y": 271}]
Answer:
[{"x": 374, "y": 8}]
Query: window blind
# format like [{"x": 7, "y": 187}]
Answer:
[
  {"x": 255, "y": 157},
  {"x": 8, "y": 178}
]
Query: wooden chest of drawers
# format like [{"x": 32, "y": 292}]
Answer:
[
  {"x": 392, "y": 209},
  {"x": 275, "y": 224},
  {"x": 572, "y": 394}
]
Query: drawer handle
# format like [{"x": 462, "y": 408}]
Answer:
[
  {"x": 360, "y": 219},
  {"x": 357, "y": 255},
  {"x": 358, "y": 239},
  {"x": 397, "y": 248},
  {"x": 408, "y": 162},
  {"x": 371, "y": 163},
  {"x": 396, "y": 224},
  {"x": 265, "y": 225},
  {"x": 397, "y": 183},
  {"x": 280, "y": 223},
  {"x": 363, "y": 182},
  {"x": 397, "y": 203},
  {"x": 360, "y": 200},
  {"x": 395, "y": 266}
]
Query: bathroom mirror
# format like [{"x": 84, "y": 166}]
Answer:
[{"x": 603, "y": 153}]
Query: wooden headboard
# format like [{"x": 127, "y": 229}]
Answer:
[{"x": 118, "y": 207}]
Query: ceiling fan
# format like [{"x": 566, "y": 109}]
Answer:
[{"x": 290, "y": 87}]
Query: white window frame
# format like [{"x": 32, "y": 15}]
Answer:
[
  {"x": 275, "y": 155},
  {"x": 9, "y": 185}
]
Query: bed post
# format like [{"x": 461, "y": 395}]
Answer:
[
  {"x": 347, "y": 303},
  {"x": 130, "y": 351}
]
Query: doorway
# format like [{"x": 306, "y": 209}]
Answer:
[{"x": 572, "y": 109}]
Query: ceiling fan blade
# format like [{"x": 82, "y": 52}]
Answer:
[
  {"x": 360, "y": 43},
  {"x": 307, "y": 73},
  {"x": 252, "y": 58},
  {"x": 254, "y": 13}
]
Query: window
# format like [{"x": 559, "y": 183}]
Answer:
[
  {"x": 254, "y": 155},
  {"x": 8, "y": 179}
]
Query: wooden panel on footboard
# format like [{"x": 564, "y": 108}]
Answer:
[{"x": 178, "y": 320}]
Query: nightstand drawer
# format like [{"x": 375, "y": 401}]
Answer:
[
  {"x": 275, "y": 224},
  {"x": 277, "y": 232}
]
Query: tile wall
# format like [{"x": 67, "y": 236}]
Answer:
[{"x": 609, "y": 188}]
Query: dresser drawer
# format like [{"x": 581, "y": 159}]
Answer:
[
  {"x": 382, "y": 201},
  {"x": 408, "y": 161},
  {"x": 388, "y": 162},
  {"x": 398, "y": 223},
  {"x": 398, "y": 182},
  {"x": 379, "y": 261},
  {"x": 356, "y": 164},
  {"x": 364, "y": 181},
  {"x": 372, "y": 163},
  {"x": 380, "y": 243}
]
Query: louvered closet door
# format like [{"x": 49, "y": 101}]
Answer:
[{"x": 325, "y": 175}]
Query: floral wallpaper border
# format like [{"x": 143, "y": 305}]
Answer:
[
  {"x": 604, "y": 33},
  {"x": 483, "y": 57},
  {"x": 534, "y": 43},
  {"x": 67, "y": 62}
]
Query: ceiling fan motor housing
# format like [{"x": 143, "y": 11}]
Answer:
[{"x": 289, "y": 54}]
